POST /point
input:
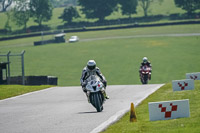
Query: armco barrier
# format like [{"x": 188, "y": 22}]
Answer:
[
  {"x": 43, "y": 42},
  {"x": 35, "y": 80},
  {"x": 52, "y": 80}
]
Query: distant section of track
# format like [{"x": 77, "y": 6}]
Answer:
[
  {"x": 143, "y": 36},
  {"x": 99, "y": 28},
  {"x": 111, "y": 37}
]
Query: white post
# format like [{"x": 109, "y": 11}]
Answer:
[
  {"x": 42, "y": 33},
  {"x": 23, "y": 74}
]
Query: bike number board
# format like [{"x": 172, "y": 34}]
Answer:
[
  {"x": 194, "y": 76},
  {"x": 181, "y": 85},
  {"x": 169, "y": 110}
]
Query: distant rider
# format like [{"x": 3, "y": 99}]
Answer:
[
  {"x": 145, "y": 62},
  {"x": 89, "y": 70}
]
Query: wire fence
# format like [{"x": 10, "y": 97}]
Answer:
[{"x": 14, "y": 66}]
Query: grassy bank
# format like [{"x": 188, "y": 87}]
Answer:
[
  {"x": 7, "y": 91},
  {"x": 117, "y": 56},
  {"x": 166, "y": 8},
  {"x": 165, "y": 93}
]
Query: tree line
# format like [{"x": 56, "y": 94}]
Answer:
[{"x": 41, "y": 10}]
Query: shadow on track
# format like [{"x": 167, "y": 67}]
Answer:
[{"x": 92, "y": 112}]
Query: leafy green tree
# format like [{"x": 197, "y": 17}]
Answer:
[
  {"x": 4, "y": 4},
  {"x": 145, "y": 4},
  {"x": 189, "y": 5},
  {"x": 21, "y": 13},
  {"x": 7, "y": 24},
  {"x": 69, "y": 13},
  {"x": 128, "y": 6},
  {"x": 97, "y": 8},
  {"x": 41, "y": 10}
]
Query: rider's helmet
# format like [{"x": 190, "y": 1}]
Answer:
[
  {"x": 91, "y": 65},
  {"x": 145, "y": 60}
]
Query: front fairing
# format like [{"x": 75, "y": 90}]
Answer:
[
  {"x": 146, "y": 70},
  {"x": 94, "y": 86}
]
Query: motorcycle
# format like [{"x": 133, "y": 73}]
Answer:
[
  {"x": 94, "y": 89},
  {"x": 145, "y": 74}
]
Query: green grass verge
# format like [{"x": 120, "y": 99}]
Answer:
[
  {"x": 118, "y": 58},
  {"x": 7, "y": 91},
  {"x": 165, "y": 93}
]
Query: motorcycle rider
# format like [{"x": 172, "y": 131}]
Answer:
[
  {"x": 145, "y": 62},
  {"x": 89, "y": 70}
]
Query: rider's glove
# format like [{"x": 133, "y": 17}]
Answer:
[
  {"x": 104, "y": 83},
  {"x": 83, "y": 85}
]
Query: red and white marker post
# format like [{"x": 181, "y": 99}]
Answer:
[
  {"x": 181, "y": 85},
  {"x": 169, "y": 110}
]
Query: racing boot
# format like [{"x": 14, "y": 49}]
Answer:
[
  {"x": 105, "y": 95},
  {"x": 88, "y": 96}
]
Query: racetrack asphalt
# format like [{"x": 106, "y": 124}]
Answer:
[
  {"x": 66, "y": 110},
  {"x": 142, "y": 36}
]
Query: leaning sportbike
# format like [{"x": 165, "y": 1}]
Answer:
[
  {"x": 95, "y": 89},
  {"x": 145, "y": 74}
]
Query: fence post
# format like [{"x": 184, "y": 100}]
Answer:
[
  {"x": 22, "y": 58},
  {"x": 8, "y": 60}
]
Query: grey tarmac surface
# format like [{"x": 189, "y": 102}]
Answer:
[
  {"x": 66, "y": 110},
  {"x": 142, "y": 36}
]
